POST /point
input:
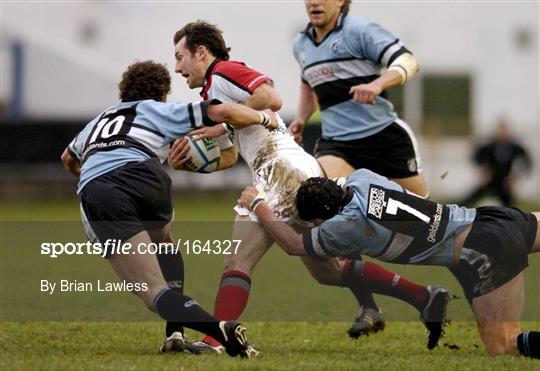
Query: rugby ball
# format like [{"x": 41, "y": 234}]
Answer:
[{"x": 205, "y": 155}]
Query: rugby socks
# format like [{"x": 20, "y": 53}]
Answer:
[
  {"x": 172, "y": 268},
  {"x": 173, "y": 306},
  {"x": 351, "y": 277},
  {"x": 529, "y": 344},
  {"x": 384, "y": 282},
  {"x": 231, "y": 298}
]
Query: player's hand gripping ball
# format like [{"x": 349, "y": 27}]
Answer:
[{"x": 201, "y": 155}]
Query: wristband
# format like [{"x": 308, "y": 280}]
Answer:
[
  {"x": 265, "y": 119},
  {"x": 256, "y": 202}
]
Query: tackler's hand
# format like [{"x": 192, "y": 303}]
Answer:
[
  {"x": 251, "y": 197},
  {"x": 208, "y": 132},
  {"x": 269, "y": 119}
]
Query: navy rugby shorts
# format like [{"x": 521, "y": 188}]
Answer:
[
  {"x": 392, "y": 152},
  {"x": 496, "y": 249},
  {"x": 126, "y": 201}
]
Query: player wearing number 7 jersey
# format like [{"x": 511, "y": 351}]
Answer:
[{"x": 486, "y": 248}]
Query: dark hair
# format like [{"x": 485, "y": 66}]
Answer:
[
  {"x": 203, "y": 33},
  {"x": 346, "y": 6},
  {"x": 320, "y": 198},
  {"x": 145, "y": 80}
]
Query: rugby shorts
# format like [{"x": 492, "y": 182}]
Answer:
[
  {"x": 496, "y": 249},
  {"x": 392, "y": 152},
  {"x": 126, "y": 201},
  {"x": 281, "y": 177}
]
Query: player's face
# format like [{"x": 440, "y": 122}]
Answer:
[
  {"x": 189, "y": 65},
  {"x": 323, "y": 12}
]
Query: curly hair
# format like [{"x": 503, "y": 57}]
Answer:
[
  {"x": 145, "y": 80},
  {"x": 320, "y": 198},
  {"x": 203, "y": 33}
]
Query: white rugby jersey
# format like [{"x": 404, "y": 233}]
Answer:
[{"x": 275, "y": 159}]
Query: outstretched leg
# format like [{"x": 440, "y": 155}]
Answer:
[
  {"x": 233, "y": 293},
  {"x": 171, "y": 264},
  {"x": 357, "y": 274},
  {"x": 171, "y": 305}
]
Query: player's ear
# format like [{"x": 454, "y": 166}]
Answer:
[{"x": 201, "y": 52}]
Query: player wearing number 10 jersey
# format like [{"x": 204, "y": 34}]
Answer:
[{"x": 126, "y": 193}]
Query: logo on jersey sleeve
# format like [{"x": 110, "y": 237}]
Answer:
[{"x": 376, "y": 202}]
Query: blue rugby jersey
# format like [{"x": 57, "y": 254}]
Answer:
[
  {"x": 386, "y": 222},
  {"x": 132, "y": 132},
  {"x": 353, "y": 53}
]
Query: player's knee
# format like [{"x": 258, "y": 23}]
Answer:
[
  {"x": 236, "y": 263},
  {"x": 326, "y": 277},
  {"x": 241, "y": 266}
]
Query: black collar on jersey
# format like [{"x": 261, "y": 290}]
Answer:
[
  {"x": 309, "y": 31},
  {"x": 209, "y": 73}
]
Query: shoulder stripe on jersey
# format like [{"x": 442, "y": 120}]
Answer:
[
  {"x": 310, "y": 239},
  {"x": 334, "y": 92},
  {"x": 148, "y": 129},
  {"x": 257, "y": 79},
  {"x": 399, "y": 52},
  {"x": 318, "y": 244},
  {"x": 191, "y": 117},
  {"x": 72, "y": 153},
  {"x": 385, "y": 49},
  {"x": 232, "y": 82},
  {"x": 332, "y": 60},
  {"x": 391, "y": 52},
  {"x": 197, "y": 114}
]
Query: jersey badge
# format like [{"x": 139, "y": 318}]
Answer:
[
  {"x": 336, "y": 46},
  {"x": 376, "y": 202}
]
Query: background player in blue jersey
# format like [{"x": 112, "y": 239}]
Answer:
[
  {"x": 341, "y": 58},
  {"x": 486, "y": 248},
  {"x": 126, "y": 193}
]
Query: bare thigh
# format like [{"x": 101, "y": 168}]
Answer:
[
  {"x": 255, "y": 243},
  {"x": 415, "y": 184},
  {"x": 335, "y": 167},
  {"x": 498, "y": 315},
  {"x": 326, "y": 272},
  {"x": 140, "y": 268}
]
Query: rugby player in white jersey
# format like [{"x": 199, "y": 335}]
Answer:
[{"x": 281, "y": 165}]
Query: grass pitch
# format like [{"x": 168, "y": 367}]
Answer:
[{"x": 283, "y": 298}]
